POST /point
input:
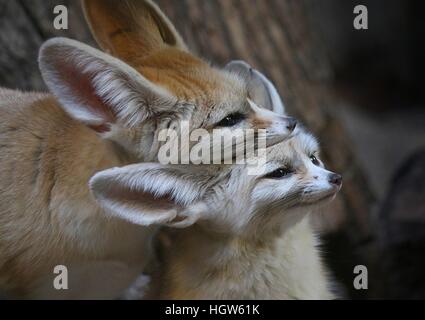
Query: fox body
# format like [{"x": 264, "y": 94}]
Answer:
[
  {"x": 244, "y": 236},
  {"x": 105, "y": 110},
  {"x": 273, "y": 251},
  {"x": 47, "y": 215}
]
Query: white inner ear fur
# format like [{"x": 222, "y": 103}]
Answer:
[
  {"x": 261, "y": 90},
  {"x": 96, "y": 88},
  {"x": 148, "y": 194}
]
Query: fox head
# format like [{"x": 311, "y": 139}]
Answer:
[
  {"x": 225, "y": 199},
  {"x": 146, "y": 80}
]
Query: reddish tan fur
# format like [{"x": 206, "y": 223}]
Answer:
[
  {"x": 42, "y": 176},
  {"x": 120, "y": 30},
  {"x": 47, "y": 213},
  {"x": 47, "y": 162},
  {"x": 259, "y": 122}
]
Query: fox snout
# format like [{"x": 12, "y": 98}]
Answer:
[
  {"x": 335, "y": 179},
  {"x": 278, "y": 127},
  {"x": 291, "y": 123},
  {"x": 283, "y": 126}
]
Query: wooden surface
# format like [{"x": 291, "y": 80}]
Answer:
[{"x": 275, "y": 36}]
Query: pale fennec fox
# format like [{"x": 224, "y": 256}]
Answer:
[
  {"x": 244, "y": 236},
  {"x": 105, "y": 110}
]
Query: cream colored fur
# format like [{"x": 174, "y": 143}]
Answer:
[
  {"x": 47, "y": 215},
  {"x": 104, "y": 111},
  {"x": 242, "y": 236},
  {"x": 270, "y": 251},
  {"x": 284, "y": 266}
]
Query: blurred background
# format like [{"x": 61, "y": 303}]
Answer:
[{"x": 360, "y": 91}]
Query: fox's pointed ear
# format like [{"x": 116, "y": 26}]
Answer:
[
  {"x": 98, "y": 89},
  {"x": 150, "y": 193},
  {"x": 260, "y": 89},
  {"x": 130, "y": 28}
]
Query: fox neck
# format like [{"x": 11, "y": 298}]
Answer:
[
  {"x": 81, "y": 155},
  {"x": 283, "y": 266}
]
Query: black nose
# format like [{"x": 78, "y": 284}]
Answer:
[
  {"x": 335, "y": 178},
  {"x": 292, "y": 123}
]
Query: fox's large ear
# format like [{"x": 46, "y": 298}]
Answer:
[
  {"x": 98, "y": 89},
  {"x": 150, "y": 193},
  {"x": 261, "y": 90},
  {"x": 130, "y": 28}
]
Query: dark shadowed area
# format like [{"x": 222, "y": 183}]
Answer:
[{"x": 360, "y": 91}]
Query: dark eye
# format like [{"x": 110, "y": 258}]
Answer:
[
  {"x": 279, "y": 173},
  {"x": 231, "y": 120},
  {"x": 314, "y": 160}
]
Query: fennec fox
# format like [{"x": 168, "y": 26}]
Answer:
[
  {"x": 244, "y": 236},
  {"x": 104, "y": 110}
]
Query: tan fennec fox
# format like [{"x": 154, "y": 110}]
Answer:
[
  {"x": 104, "y": 111},
  {"x": 246, "y": 236}
]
